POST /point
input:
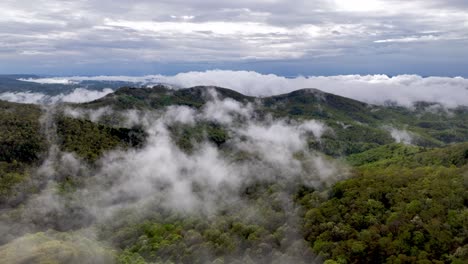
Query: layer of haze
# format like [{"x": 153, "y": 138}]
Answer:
[{"x": 376, "y": 89}]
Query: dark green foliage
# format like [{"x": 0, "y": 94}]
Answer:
[
  {"x": 393, "y": 211},
  {"x": 21, "y": 146},
  {"x": 435, "y": 126},
  {"x": 358, "y": 126},
  {"x": 21, "y": 138},
  {"x": 384, "y": 155},
  {"x": 187, "y": 137},
  {"x": 90, "y": 140},
  {"x": 312, "y": 103},
  {"x": 230, "y": 236},
  {"x": 454, "y": 155},
  {"x": 160, "y": 96},
  {"x": 412, "y": 156},
  {"x": 356, "y": 138},
  {"x": 11, "y": 176}
]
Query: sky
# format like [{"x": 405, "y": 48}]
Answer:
[{"x": 287, "y": 38}]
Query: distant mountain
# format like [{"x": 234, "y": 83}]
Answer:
[
  {"x": 161, "y": 96},
  {"x": 14, "y": 83},
  {"x": 357, "y": 123}
]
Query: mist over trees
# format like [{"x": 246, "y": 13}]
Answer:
[{"x": 209, "y": 175}]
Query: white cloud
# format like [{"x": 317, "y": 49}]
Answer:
[
  {"x": 225, "y": 111},
  {"x": 94, "y": 115},
  {"x": 423, "y": 38},
  {"x": 401, "y": 136},
  {"x": 317, "y": 128},
  {"x": 409, "y": 39},
  {"x": 201, "y": 181},
  {"x": 360, "y": 5},
  {"x": 79, "y": 95},
  {"x": 217, "y": 28},
  {"x": 271, "y": 146},
  {"x": 21, "y": 97},
  {"x": 48, "y": 80},
  {"x": 376, "y": 89}
]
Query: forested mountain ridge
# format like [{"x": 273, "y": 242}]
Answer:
[
  {"x": 427, "y": 124},
  {"x": 317, "y": 178}
]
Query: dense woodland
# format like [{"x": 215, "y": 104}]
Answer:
[{"x": 402, "y": 203}]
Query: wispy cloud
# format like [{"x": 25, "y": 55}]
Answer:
[
  {"x": 409, "y": 39},
  {"x": 422, "y": 38}
]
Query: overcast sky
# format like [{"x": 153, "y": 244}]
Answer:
[{"x": 92, "y": 37}]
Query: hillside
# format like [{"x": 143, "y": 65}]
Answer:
[{"x": 209, "y": 175}]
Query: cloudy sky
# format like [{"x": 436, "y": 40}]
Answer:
[{"x": 289, "y": 38}]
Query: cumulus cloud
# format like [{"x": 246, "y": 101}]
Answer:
[{"x": 375, "y": 89}]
